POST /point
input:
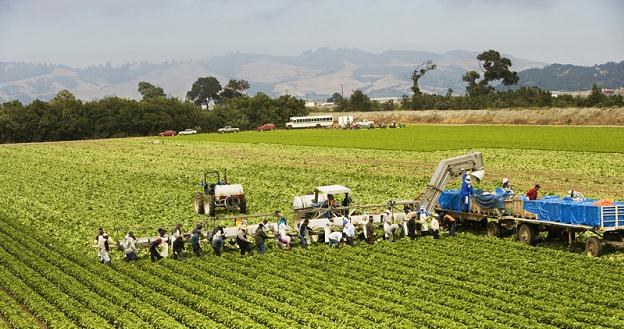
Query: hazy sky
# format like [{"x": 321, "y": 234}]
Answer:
[{"x": 83, "y": 32}]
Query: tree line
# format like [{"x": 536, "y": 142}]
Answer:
[
  {"x": 67, "y": 118},
  {"x": 482, "y": 92}
]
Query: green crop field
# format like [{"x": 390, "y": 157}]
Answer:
[
  {"x": 56, "y": 195},
  {"x": 441, "y": 137}
]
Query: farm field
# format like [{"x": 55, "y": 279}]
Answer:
[
  {"x": 442, "y": 137},
  {"x": 56, "y": 195}
]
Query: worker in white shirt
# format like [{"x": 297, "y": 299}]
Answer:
[
  {"x": 435, "y": 227},
  {"x": 326, "y": 225},
  {"x": 422, "y": 216},
  {"x": 335, "y": 238},
  {"x": 386, "y": 219},
  {"x": 349, "y": 231}
]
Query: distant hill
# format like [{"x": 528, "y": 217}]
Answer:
[
  {"x": 314, "y": 74},
  {"x": 572, "y": 77}
]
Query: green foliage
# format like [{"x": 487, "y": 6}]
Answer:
[
  {"x": 149, "y": 91},
  {"x": 203, "y": 90},
  {"x": 234, "y": 89},
  {"x": 358, "y": 101}
]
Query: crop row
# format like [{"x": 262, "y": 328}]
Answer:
[{"x": 11, "y": 311}]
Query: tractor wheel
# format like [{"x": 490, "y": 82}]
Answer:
[
  {"x": 198, "y": 203},
  {"x": 209, "y": 206},
  {"x": 493, "y": 229},
  {"x": 527, "y": 234},
  {"x": 593, "y": 247},
  {"x": 243, "y": 206}
]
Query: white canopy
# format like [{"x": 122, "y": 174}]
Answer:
[{"x": 332, "y": 189}]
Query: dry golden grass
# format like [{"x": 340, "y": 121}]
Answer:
[{"x": 537, "y": 116}]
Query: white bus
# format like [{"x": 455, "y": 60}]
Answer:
[{"x": 317, "y": 121}]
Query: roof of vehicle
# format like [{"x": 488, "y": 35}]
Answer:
[
  {"x": 313, "y": 117},
  {"x": 332, "y": 189}
]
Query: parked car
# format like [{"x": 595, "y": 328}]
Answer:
[
  {"x": 168, "y": 133},
  {"x": 188, "y": 132},
  {"x": 266, "y": 126},
  {"x": 228, "y": 129},
  {"x": 364, "y": 124}
]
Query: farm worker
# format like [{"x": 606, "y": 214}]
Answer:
[
  {"x": 265, "y": 225},
  {"x": 218, "y": 238},
  {"x": 303, "y": 232},
  {"x": 260, "y": 237},
  {"x": 153, "y": 249},
  {"x": 506, "y": 186},
  {"x": 242, "y": 241},
  {"x": 411, "y": 225},
  {"x": 392, "y": 231},
  {"x": 386, "y": 219},
  {"x": 164, "y": 248},
  {"x": 435, "y": 227},
  {"x": 450, "y": 220},
  {"x": 576, "y": 195},
  {"x": 422, "y": 216},
  {"x": 195, "y": 236},
  {"x": 370, "y": 236},
  {"x": 198, "y": 230},
  {"x": 98, "y": 237},
  {"x": 326, "y": 225},
  {"x": 130, "y": 248},
  {"x": 466, "y": 192},
  {"x": 532, "y": 193},
  {"x": 349, "y": 231},
  {"x": 104, "y": 249},
  {"x": 346, "y": 202},
  {"x": 282, "y": 230},
  {"x": 178, "y": 247},
  {"x": 176, "y": 232},
  {"x": 335, "y": 238}
]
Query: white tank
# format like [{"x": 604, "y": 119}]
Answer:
[
  {"x": 305, "y": 201},
  {"x": 223, "y": 191}
]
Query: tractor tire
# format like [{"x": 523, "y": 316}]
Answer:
[
  {"x": 493, "y": 229},
  {"x": 593, "y": 247},
  {"x": 198, "y": 203},
  {"x": 243, "y": 206},
  {"x": 527, "y": 234},
  {"x": 209, "y": 206}
]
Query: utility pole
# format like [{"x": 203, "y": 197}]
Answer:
[{"x": 342, "y": 90}]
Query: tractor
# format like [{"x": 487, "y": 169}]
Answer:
[{"x": 219, "y": 194}]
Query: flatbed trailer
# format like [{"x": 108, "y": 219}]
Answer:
[{"x": 514, "y": 219}]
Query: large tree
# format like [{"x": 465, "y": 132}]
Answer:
[
  {"x": 149, "y": 91},
  {"x": 418, "y": 73},
  {"x": 495, "y": 68},
  {"x": 203, "y": 90},
  {"x": 335, "y": 98},
  {"x": 234, "y": 89}
]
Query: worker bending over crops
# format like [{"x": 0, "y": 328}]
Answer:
[
  {"x": 129, "y": 246},
  {"x": 218, "y": 238},
  {"x": 450, "y": 221},
  {"x": 335, "y": 238},
  {"x": 368, "y": 231},
  {"x": 411, "y": 225},
  {"x": 153, "y": 249},
  {"x": 242, "y": 241}
]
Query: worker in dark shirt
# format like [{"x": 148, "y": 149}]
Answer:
[
  {"x": 532, "y": 193},
  {"x": 153, "y": 249},
  {"x": 370, "y": 236},
  {"x": 178, "y": 247},
  {"x": 303, "y": 232}
]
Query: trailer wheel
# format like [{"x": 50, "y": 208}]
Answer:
[
  {"x": 593, "y": 247},
  {"x": 493, "y": 229},
  {"x": 527, "y": 234},
  {"x": 243, "y": 206},
  {"x": 198, "y": 203}
]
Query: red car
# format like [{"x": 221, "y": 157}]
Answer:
[
  {"x": 266, "y": 126},
  {"x": 168, "y": 133}
]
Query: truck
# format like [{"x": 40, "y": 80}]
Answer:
[{"x": 228, "y": 129}]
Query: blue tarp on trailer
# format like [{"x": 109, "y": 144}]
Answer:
[
  {"x": 567, "y": 211},
  {"x": 451, "y": 199}
]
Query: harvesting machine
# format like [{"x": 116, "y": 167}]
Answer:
[{"x": 219, "y": 194}]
